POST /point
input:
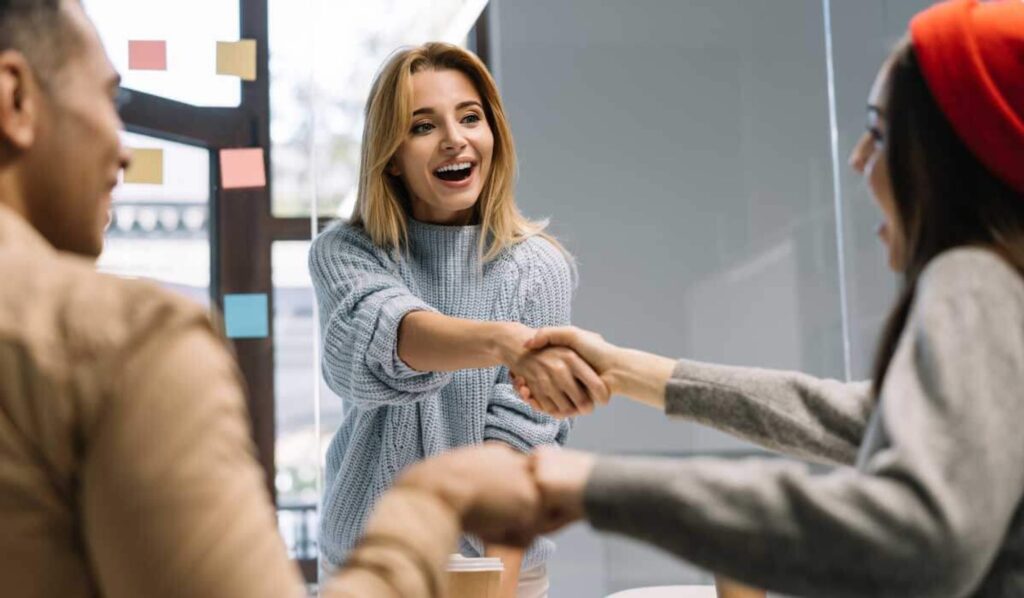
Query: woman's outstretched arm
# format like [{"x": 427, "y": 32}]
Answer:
[
  {"x": 384, "y": 345},
  {"x": 803, "y": 416}
]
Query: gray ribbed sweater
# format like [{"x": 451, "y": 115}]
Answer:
[
  {"x": 933, "y": 506},
  {"x": 393, "y": 415}
]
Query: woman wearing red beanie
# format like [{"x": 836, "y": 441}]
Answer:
[{"x": 929, "y": 496}]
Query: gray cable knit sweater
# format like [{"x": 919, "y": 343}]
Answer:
[
  {"x": 394, "y": 415},
  {"x": 932, "y": 503}
]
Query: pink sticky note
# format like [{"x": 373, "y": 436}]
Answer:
[
  {"x": 242, "y": 167},
  {"x": 147, "y": 55}
]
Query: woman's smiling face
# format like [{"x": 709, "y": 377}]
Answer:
[{"x": 445, "y": 159}]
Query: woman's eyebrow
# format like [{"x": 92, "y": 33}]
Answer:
[{"x": 458, "y": 106}]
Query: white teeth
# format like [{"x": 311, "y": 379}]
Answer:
[{"x": 451, "y": 167}]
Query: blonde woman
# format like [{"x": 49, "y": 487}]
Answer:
[{"x": 428, "y": 295}]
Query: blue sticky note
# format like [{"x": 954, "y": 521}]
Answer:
[{"x": 245, "y": 315}]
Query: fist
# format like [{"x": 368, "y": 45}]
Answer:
[
  {"x": 491, "y": 487},
  {"x": 561, "y": 476}
]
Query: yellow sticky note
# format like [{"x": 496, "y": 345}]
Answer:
[
  {"x": 147, "y": 167},
  {"x": 237, "y": 59}
]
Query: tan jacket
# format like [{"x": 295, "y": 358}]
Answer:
[{"x": 126, "y": 463}]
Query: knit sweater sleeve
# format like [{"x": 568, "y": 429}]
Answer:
[
  {"x": 927, "y": 513},
  {"x": 362, "y": 301},
  {"x": 789, "y": 412},
  {"x": 545, "y": 296}
]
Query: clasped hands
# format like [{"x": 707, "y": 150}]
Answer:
[
  {"x": 508, "y": 498},
  {"x": 564, "y": 371},
  {"x": 503, "y": 496}
]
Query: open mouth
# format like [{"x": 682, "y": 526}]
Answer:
[{"x": 454, "y": 173}]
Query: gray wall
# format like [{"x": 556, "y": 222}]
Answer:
[{"x": 683, "y": 151}]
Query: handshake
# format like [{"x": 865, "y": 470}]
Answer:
[
  {"x": 567, "y": 371},
  {"x": 505, "y": 497}
]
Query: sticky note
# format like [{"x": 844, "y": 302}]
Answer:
[
  {"x": 242, "y": 167},
  {"x": 147, "y": 55},
  {"x": 245, "y": 315},
  {"x": 147, "y": 167},
  {"x": 237, "y": 59}
]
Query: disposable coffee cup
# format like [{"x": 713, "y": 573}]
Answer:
[{"x": 474, "y": 577}]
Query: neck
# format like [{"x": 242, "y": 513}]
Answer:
[
  {"x": 11, "y": 195},
  {"x": 430, "y": 215}
]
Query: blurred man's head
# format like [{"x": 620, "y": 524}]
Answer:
[{"x": 60, "y": 151}]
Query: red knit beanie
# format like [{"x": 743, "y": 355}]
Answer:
[{"x": 972, "y": 56}]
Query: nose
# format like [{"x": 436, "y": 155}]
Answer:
[
  {"x": 453, "y": 140},
  {"x": 861, "y": 153}
]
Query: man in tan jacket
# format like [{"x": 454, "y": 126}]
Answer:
[{"x": 126, "y": 464}]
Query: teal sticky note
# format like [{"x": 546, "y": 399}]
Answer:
[{"x": 245, "y": 315}]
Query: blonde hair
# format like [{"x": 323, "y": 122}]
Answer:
[{"x": 382, "y": 202}]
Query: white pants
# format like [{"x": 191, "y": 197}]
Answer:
[{"x": 533, "y": 583}]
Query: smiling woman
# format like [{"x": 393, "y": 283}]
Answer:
[{"x": 428, "y": 295}]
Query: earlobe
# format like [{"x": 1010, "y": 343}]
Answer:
[{"x": 392, "y": 169}]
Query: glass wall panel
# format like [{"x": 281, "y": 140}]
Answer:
[
  {"x": 683, "y": 153},
  {"x": 295, "y": 374},
  {"x": 191, "y": 30},
  {"x": 162, "y": 232}
]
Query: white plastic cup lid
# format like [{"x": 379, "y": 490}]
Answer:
[{"x": 461, "y": 564}]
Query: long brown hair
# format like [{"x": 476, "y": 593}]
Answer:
[
  {"x": 382, "y": 202},
  {"x": 945, "y": 197}
]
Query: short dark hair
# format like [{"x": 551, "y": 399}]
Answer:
[
  {"x": 36, "y": 29},
  {"x": 944, "y": 195}
]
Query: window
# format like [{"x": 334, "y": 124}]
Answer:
[
  {"x": 191, "y": 29},
  {"x": 162, "y": 232},
  {"x": 297, "y": 450}
]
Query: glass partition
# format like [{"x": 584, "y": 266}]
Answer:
[
  {"x": 693, "y": 156},
  {"x": 295, "y": 372},
  {"x": 161, "y": 232},
  {"x": 190, "y": 30}
]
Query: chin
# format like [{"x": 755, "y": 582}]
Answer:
[
  {"x": 90, "y": 251},
  {"x": 90, "y": 247},
  {"x": 895, "y": 262}
]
